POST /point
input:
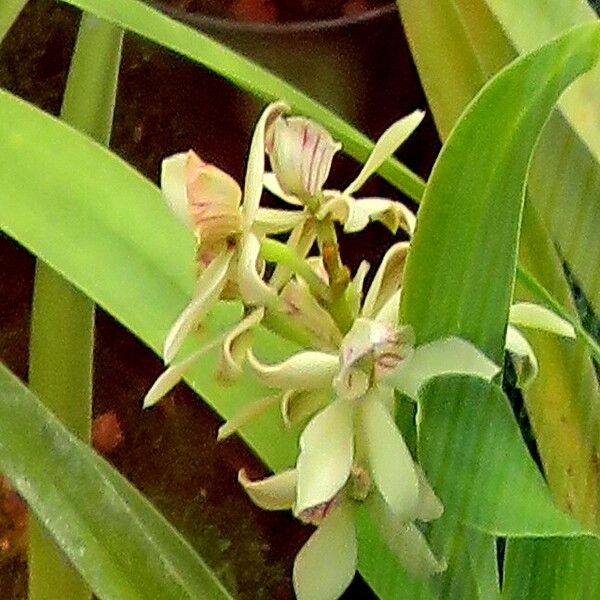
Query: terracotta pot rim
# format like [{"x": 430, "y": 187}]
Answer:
[{"x": 209, "y": 23}]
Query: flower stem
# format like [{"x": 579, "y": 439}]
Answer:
[
  {"x": 62, "y": 328},
  {"x": 278, "y": 252},
  {"x": 339, "y": 275}
]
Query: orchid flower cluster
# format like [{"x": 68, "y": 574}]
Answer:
[{"x": 353, "y": 357}]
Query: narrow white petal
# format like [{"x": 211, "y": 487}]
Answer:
[
  {"x": 299, "y": 405},
  {"x": 173, "y": 183},
  {"x": 391, "y": 139},
  {"x": 270, "y": 221},
  {"x": 209, "y": 286},
  {"x": 255, "y": 168},
  {"x": 235, "y": 347},
  {"x": 534, "y": 316},
  {"x": 524, "y": 359},
  {"x": 250, "y": 412},
  {"x": 387, "y": 280},
  {"x": 272, "y": 493},
  {"x": 326, "y": 453},
  {"x": 271, "y": 182},
  {"x": 390, "y": 461},
  {"x": 326, "y": 564},
  {"x": 303, "y": 371},
  {"x": 442, "y": 357},
  {"x": 172, "y": 376},
  {"x": 405, "y": 540},
  {"x": 253, "y": 289},
  {"x": 354, "y": 292}
]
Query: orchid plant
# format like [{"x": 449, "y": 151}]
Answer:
[{"x": 354, "y": 356}]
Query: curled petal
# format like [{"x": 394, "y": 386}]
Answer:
[
  {"x": 299, "y": 405},
  {"x": 251, "y": 411},
  {"x": 235, "y": 347},
  {"x": 326, "y": 453},
  {"x": 173, "y": 375},
  {"x": 391, "y": 139},
  {"x": 255, "y": 168},
  {"x": 534, "y": 316},
  {"x": 209, "y": 287},
  {"x": 303, "y": 371},
  {"x": 272, "y": 493},
  {"x": 524, "y": 359},
  {"x": 270, "y": 221},
  {"x": 442, "y": 357},
  {"x": 387, "y": 280},
  {"x": 389, "y": 459},
  {"x": 326, "y": 564},
  {"x": 253, "y": 289},
  {"x": 272, "y": 184},
  {"x": 405, "y": 540},
  {"x": 173, "y": 183},
  {"x": 301, "y": 152}
]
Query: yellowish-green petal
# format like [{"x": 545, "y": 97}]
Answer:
[
  {"x": 442, "y": 357},
  {"x": 276, "y": 492},
  {"x": 390, "y": 462},
  {"x": 429, "y": 506},
  {"x": 173, "y": 183},
  {"x": 307, "y": 370},
  {"x": 326, "y": 564},
  {"x": 253, "y": 289},
  {"x": 391, "y": 139},
  {"x": 251, "y": 411},
  {"x": 535, "y": 316},
  {"x": 209, "y": 288},
  {"x": 326, "y": 453},
  {"x": 524, "y": 359},
  {"x": 271, "y": 221},
  {"x": 299, "y": 405},
  {"x": 272, "y": 185}
]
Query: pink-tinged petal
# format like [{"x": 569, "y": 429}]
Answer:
[
  {"x": 251, "y": 411},
  {"x": 271, "y": 221},
  {"x": 387, "y": 280},
  {"x": 306, "y": 370},
  {"x": 390, "y": 461},
  {"x": 391, "y": 139},
  {"x": 326, "y": 453},
  {"x": 173, "y": 375},
  {"x": 299, "y": 405},
  {"x": 236, "y": 345},
  {"x": 209, "y": 288},
  {"x": 301, "y": 152},
  {"x": 534, "y": 316},
  {"x": 326, "y": 564},
  {"x": 255, "y": 168},
  {"x": 272, "y": 493},
  {"x": 173, "y": 183},
  {"x": 405, "y": 540},
  {"x": 272, "y": 185},
  {"x": 441, "y": 357},
  {"x": 253, "y": 290}
]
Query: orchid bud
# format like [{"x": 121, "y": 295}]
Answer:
[
  {"x": 205, "y": 198},
  {"x": 301, "y": 153}
]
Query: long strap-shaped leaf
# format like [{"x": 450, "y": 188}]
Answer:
[{"x": 122, "y": 546}]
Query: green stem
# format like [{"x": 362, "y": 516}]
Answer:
[
  {"x": 9, "y": 11},
  {"x": 280, "y": 253},
  {"x": 62, "y": 328},
  {"x": 529, "y": 281}
]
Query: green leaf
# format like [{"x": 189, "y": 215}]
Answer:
[
  {"x": 552, "y": 569},
  {"x": 122, "y": 546},
  {"x": 9, "y": 11},
  {"x": 140, "y": 18},
  {"x": 470, "y": 446}
]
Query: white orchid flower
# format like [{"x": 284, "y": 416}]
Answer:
[
  {"x": 316, "y": 576},
  {"x": 301, "y": 154}
]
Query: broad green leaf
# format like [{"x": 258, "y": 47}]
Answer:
[
  {"x": 470, "y": 447},
  {"x": 552, "y": 569},
  {"x": 122, "y": 546},
  {"x": 138, "y": 17},
  {"x": 479, "y": 37},
  {"x": 9, "y": 11}
]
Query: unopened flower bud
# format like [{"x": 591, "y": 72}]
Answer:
[{"x": 301, "y": 153}]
